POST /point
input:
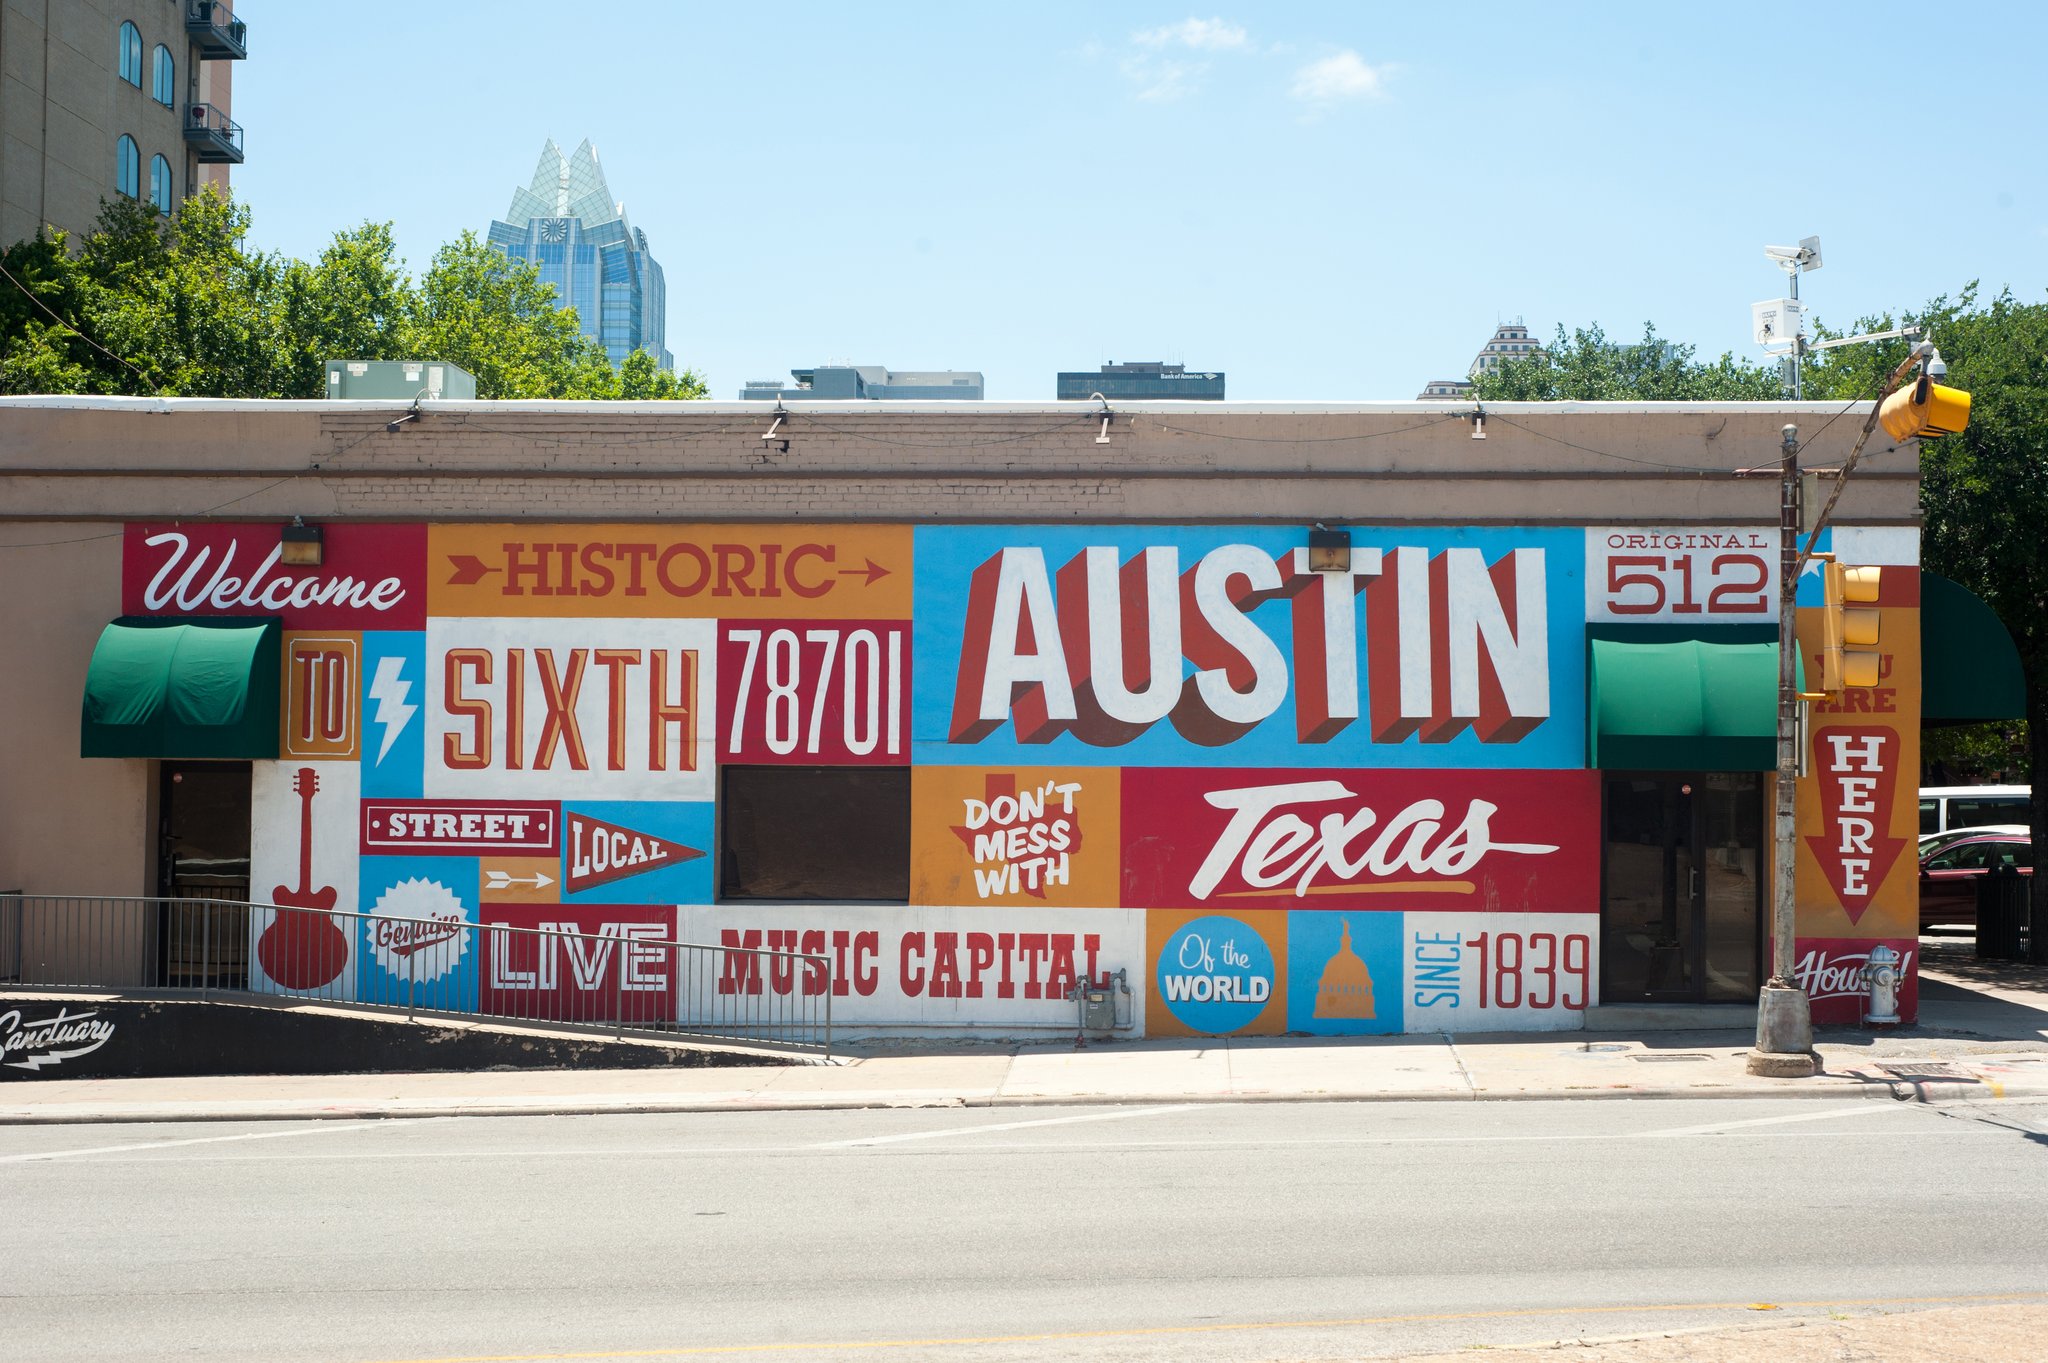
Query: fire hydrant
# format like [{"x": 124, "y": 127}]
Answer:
[{"x": 1881, "y": 975}]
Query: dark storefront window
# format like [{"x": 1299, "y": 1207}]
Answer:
[{"x": 838, "y": 834}]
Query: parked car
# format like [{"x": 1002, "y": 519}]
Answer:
[
  {"x": 1946, "y": 807},
  {"x": 1949, "y": 874},
  {"x": 1931, "y": 841}
]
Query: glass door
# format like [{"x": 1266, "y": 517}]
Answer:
[
  {"x": 1729, "y": 831},
  {"x": 1681, "y": 917},
  {"x": 203, "y": 867}
]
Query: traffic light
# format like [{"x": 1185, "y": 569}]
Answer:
[
  {"x": 1925, "y": 408},
  {"x": 1849, "y": 654}
]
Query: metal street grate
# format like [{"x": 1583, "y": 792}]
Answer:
[{"x": 1933, "y": 1069}]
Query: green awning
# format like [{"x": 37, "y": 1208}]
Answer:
[
  {"x": 1969, "y": 670},
  {"x": 1677, "y": 698},
  {"x": 183, "y": 688}
]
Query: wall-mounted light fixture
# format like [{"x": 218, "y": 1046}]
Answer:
[
  {"x": 1329, "y": 551},
  {"x": 412, "y": 414},
  {"x": 1107, "y": 416},
  {"x": 301, "y": 545},
  {"x": 771, "y": 436},
  {"x": 1479, "y": 423}
]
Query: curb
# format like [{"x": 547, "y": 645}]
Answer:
[{"x": 1934, "y": 1091}]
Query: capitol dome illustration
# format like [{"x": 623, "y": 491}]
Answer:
[{"x": 1345, "y": 990}]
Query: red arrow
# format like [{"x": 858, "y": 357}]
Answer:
[
  {"x": 1856, "y": 769},
  {"x": 873, "y": 571},
  {"x": 468, "y": 569}
]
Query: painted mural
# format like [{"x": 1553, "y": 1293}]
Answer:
[
  {"x": 1278, "y": 800},
  {"x": 1858, "y": 810}
]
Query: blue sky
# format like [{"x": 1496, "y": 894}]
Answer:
[{"x": 1326, "y": 201}]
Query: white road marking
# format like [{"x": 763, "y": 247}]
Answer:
[
  {"x": 1867, "y": 1107},
  {"x": 317, "y": 1129},
  {"x": 551, "y": 1152},
  {"x": 502, "y": 1154},
  {"x": 1117, "y": 1115}
]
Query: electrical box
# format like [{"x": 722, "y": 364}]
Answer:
[
  {"x": 399, "y": 380},
  {"x": 1776, "y": 321}
]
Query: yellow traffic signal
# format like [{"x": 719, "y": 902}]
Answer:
[
  {"x": 1849, "y": 652},
  {"x": 1925, "y": 409}
]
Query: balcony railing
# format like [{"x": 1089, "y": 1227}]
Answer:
[
  {"x": 213, "y": 135},
  {"x": 218, "y": 34}
]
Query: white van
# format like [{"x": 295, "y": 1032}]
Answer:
[{"x": 1945, "y": 807}]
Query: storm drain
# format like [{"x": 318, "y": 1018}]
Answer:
[
  {"x": 1680, "y": 1056},
  {"x": 1935, "y": 1069}
]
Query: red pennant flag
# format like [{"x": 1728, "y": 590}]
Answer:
[{"x": 599, "y": 853}]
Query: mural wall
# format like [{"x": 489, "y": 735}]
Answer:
[
  {"x": 1858, "y": 813},
  {"x": 1280, "y": 800}
]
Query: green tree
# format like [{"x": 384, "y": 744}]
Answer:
[
  {"x": 489, "y": 313},
  {"x": 39, "y": 351},
  {"x": 1965, "y": 754},
  {"x": 184, "y": 306},
  {"x": 184, "y": 301},
  {"x": 641, "y": 379},
  {"x": 1984, "y": 493},
  {"x": 354, "y": 302},
  {"x": 1584, "y": 366},
  {"x": 56, "y": 302}
]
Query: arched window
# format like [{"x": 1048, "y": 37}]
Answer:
[
  {"x": 160, "y": 184},
  {"x": 128, "y": 167},
  {"x": 131, "y": 54},
  {"x": 164, "y": 78}
]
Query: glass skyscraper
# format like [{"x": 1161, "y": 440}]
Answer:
[{"x": 567, "y": 223}]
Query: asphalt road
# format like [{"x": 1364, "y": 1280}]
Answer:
[{"x": 1248, "y": 1231}]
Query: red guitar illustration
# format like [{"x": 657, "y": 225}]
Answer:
[{"x": 303, "y": 950}]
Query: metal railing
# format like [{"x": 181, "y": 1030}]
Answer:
[
  {"x": 626, "y": 978},
  {"x": 212, "y": 134},
  {"x": 214, "y": 27}
]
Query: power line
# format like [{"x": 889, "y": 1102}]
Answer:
[
  {"x": 1635, "y": 459},
  {"x": 193, "y": 515},
  {"x": 1308, "y": 440},
  {"x": 26, "y": 293},
  {"x": 1090, "y": 419}
]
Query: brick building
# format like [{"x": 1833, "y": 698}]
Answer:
[{"x": 978, "y": 702}]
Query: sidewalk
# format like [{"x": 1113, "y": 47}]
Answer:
[
  {"x": 1983, "y": 1333},
  {"x": 1983, "y": 1034}
]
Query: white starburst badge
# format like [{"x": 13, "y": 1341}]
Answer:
[{"x": 419, "y": 930}]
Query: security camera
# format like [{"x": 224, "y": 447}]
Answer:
[{"x": 1804, "y": 256}]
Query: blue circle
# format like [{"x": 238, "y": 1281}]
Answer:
[{"x": 1215, "y": 974}]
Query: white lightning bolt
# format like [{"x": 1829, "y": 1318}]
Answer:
[{"x": 389, "y": 690}]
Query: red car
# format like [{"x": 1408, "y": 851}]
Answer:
[{"x": 1950, "y": 872}]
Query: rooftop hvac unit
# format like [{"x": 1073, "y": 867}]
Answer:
[{"x": 399, "y": 380}]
